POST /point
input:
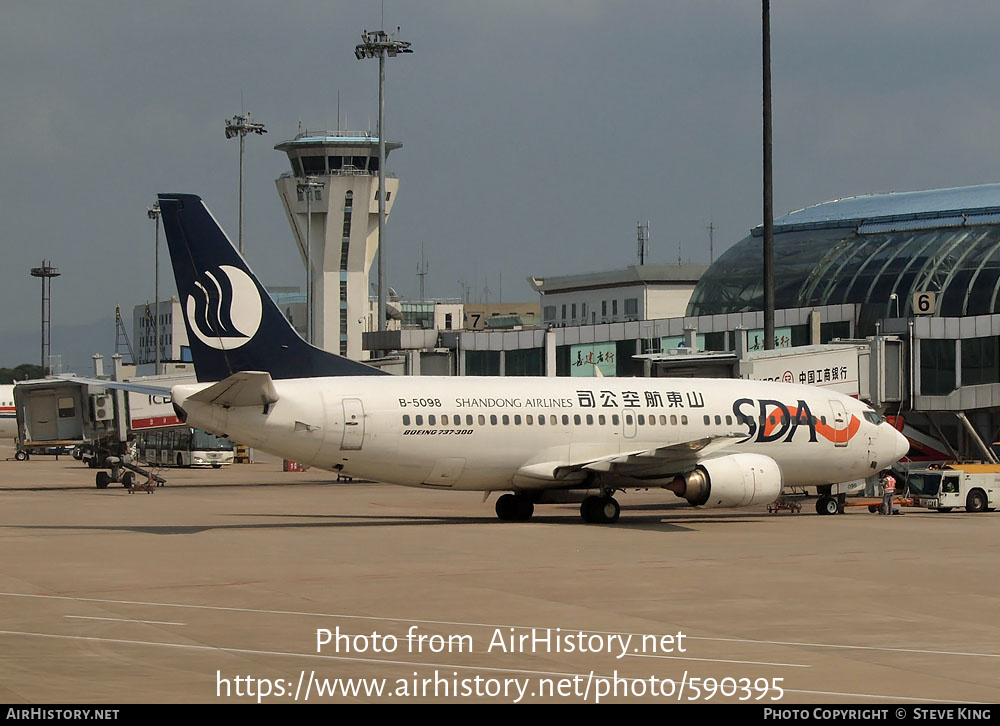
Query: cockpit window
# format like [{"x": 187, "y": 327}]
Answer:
[{"x": 873, "y": 417}]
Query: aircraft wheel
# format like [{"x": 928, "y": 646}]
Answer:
[
  {"x": 506, "y": 508},
  {"x": 525, "y": 508},
  {"x": 600, "y": 510},
  {"x": 609, "y": 510},
  {"x": 21, "y": 456},
  {"x": 103, "y": 479},
  {"x": 975, "y": 502},
  {"x": 827, "y": 505}
]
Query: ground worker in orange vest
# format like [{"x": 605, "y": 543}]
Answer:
[{"x": 888, "y": 491}]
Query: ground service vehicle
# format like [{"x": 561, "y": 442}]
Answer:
[
  {"x": 973, "y": 486},
  {"x": 184, "y": 447}
]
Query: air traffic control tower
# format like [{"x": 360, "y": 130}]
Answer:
[{"x": 344, "y": 235}]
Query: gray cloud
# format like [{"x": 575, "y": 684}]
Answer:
[{"x": 535, "y": 135}]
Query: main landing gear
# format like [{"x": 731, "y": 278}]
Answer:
[
  {"x": 514, "y": 508},
  {"x": 600, "y": 510},
  {"x": 519, "y": 507}
]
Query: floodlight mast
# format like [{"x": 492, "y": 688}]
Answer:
[
  {"x": 768, "y": 177},
  {"x": 378, "y": 44},
  {"x": 46, "y": 272},
  {"x": 241, "y": 125}
]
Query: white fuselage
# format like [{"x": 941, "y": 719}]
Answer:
[{"x": 469, "y": 433}]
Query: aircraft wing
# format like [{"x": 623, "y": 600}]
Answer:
[
  {"x": 248, "y": 388},
  {"x": 659, "y": 462}
]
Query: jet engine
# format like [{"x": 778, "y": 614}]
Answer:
[{"x": 737, "y": 480}]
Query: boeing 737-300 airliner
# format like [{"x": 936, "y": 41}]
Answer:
[{"x": 714, "y": 442}]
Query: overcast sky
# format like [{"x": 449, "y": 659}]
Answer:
[{"x": 535, "y": 135}]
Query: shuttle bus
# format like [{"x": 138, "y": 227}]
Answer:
[{"x": 184, "y": 447}]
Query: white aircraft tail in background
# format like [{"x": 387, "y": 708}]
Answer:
[{"x": 8, "y": 417}]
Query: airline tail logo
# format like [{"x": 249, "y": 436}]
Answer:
[{"x": 224, "y": 312}]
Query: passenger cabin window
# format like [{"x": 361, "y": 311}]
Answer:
[
  {"x": 406, "y": 420},
  {"x": 420, "y": 420},
  {"x": 431, "y": 420}
]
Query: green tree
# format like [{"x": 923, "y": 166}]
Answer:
[{"x": 21, "y": 372}]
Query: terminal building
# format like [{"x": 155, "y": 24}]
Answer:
[
  {"x": 915, "y": 276},
  {"x": 639, "y": 292}
]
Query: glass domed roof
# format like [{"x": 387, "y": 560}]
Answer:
[{"x": 864, "y": 250}]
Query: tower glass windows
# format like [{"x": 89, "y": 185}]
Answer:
[
  {"x": 314, "y": 164},
  {"x": 346, "y": 241}
]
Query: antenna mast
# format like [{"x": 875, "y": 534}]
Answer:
[
  {"x": 642, "y": 232},
  {"x": 422, "y": 271}
]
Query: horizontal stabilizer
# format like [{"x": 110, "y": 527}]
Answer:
[{"x": 248, "y": 388}]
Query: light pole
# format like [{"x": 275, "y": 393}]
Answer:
[
  {"x": 154, "y": 214},
  {"x": 46, "y": 272},
  {"x": 378, "y": 44},
  {"x": 241, "y": 126},
  {"x": 306, "y": 186},
  {"x": 895, "y": 300},
  {"x": 768, "y": 199}
]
